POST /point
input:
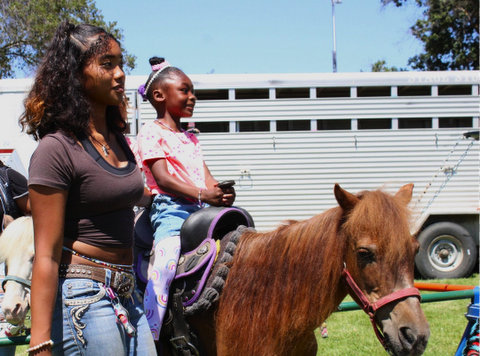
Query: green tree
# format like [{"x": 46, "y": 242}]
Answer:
[
  {"x": 449, "y": 32},
  {"x": 381, "y": 66},
  {"x": 26, "y": 27}
]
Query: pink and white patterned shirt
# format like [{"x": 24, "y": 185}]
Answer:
[{"x": 181, "y": 151}]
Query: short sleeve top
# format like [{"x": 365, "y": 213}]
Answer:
[
  {"x": 18, "y": 183},
  {"x": 99, "y": 208},
  {"x": 181, "y": 151}
]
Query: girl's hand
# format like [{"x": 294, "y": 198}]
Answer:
[
  {"x": 228, "y": 196},
  {"x": 212, "y": 196}
]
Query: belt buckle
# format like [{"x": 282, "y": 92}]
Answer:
[{"x": 123, "y": 284}]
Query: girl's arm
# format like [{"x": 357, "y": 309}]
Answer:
[
  {"x": 48, "y": 212},
  {"x": 213, "y": 195},
  {"x": 228, "y": 193},
  {"x": 209, "y": 180}
]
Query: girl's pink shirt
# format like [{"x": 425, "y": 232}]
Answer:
[{"x": 181, "y": 151}]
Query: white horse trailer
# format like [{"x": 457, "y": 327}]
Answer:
[{"x": 288, "y": 138}]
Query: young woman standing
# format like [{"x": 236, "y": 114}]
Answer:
[{"x": 83, "y": 183}]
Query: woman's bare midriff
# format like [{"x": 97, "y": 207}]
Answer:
[{"x": 122, "y": 256}]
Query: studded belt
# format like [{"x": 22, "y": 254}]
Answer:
[{"x": 121, "y": 282}]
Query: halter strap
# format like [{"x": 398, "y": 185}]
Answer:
[
  {"x": 371, "y": 308},
  {"x": 24, "y": 282}
]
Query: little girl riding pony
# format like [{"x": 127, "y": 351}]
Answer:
[{"x": 176, "y": 174}]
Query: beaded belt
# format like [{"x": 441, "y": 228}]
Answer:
[{"x": 121, "y": 282}]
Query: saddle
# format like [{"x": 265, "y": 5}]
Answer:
[
  {"x": 198, "y": 236},
  {"x": 208, "y": 240}
]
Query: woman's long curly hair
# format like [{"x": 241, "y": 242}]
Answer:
[{"x": 57, "y": 100}]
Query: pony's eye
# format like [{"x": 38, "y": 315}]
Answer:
[{"x": 365, "y": 256}]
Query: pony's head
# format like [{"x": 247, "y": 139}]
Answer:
[
  {"x": 16, "y": 250},
  {"x": 380, "y": 256}
]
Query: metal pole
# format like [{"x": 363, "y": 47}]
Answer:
[{"x": 334, "y": 53}]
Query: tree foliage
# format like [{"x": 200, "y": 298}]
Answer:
[
  {"x": 449, "y": 32},
  {"x": 26, "y": 27},
  {"x": 381, "y": 66}
]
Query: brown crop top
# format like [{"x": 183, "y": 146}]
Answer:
[{"x": 99, "y": 209}]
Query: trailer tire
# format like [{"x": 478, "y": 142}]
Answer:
[{"x": 446, "y": 251}]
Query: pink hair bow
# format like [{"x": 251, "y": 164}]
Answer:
[{"x": 160, "y": 66}]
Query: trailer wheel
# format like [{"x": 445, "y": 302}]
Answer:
[{"x": 446, "y": 251}]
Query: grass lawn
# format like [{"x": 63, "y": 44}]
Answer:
[{"x": 351, "y": 333}]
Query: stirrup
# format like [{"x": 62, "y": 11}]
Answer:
[{"x": 183, "y": 347}]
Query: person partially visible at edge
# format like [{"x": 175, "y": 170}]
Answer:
[
  {"x": 175, "y": 173},
  {"x": 14, "y": 203},
  {"x": 83, "y": 183},
  {"x": 15, "y": 188}
]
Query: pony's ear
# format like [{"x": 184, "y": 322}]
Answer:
[
  {"x": 345, "y": 199},
  {"x": 404, "y": 194}
]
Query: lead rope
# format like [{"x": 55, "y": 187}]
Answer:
[{"x": 449, "y": 173}]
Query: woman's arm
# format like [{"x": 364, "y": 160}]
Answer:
[
  {"x": 213, "y": 195},
  {"x": 48, "y": 212}
]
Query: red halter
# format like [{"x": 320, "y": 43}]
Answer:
[{"x": 371, "y": 308}]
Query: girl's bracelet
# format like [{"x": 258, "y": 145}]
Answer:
[
  {"x": 200, "y": 197},
  {"x": 45, "y": 344}
]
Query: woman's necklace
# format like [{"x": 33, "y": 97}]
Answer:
[{"x": 105, "y": 147}]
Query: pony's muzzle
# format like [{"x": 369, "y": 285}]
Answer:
[
  {"x": 16, "y": 314},
  {"x": 413, "y": 341},
  {"x": 406, "y": 338},
  {"x": 408, "y": 342}
]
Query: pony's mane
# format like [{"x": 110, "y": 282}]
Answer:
[
  {"x": 16, "y": 238},
  {"x": 279, "y": 299}
]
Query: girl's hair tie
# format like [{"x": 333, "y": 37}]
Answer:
[
  {"x": 141, "y": 91},
  {"x": 160, "y": 66},
  {"x": 157, "y": 68}
]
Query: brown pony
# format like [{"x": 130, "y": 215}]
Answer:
[{"x": 283, "y": 284}]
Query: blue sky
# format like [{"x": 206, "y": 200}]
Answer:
[{"x": 264, "y": 36}]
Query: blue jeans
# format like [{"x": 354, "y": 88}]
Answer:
[
  {"x": 90, "y": 326},
  {"x": 168, "y": 213}
]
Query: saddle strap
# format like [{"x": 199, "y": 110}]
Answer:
[
  {"x": 194, "y": 267},
  {"x": 181, "y": 339}
]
